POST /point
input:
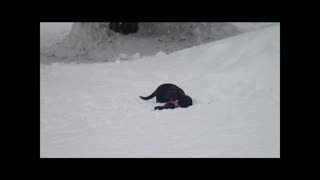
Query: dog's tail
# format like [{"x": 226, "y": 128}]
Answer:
[{"x": 149, "y": 97}]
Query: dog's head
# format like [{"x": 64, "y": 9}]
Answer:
[{"x": 185, "y": 101}]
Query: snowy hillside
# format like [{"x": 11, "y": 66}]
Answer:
[
  {"x": 51, "y": 33},
  {"x": 94, "y": 42},
  {"x": 94, "y": 110}
]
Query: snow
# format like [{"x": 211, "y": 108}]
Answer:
[
  {"x": 94, "y": 42},
  {"x": 246, "y": 27},
  {"x": 94, "y": 110},
  {"x": 51, "y": 33}
]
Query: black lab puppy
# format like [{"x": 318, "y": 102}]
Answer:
[{"x": 170, "y": 94}]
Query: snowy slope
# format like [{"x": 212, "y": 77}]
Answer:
[
  {"x": 51, "y": 33},
  {"x": 93, "y": 42},
  {"x": 93, "y": 110},
  {"x": 246, "y": 27}
]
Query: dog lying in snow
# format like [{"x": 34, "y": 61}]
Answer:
[{"x": 170, "y": 94}]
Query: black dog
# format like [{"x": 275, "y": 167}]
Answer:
[{"x": 170, "y": 94}]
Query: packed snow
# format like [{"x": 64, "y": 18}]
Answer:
[{"x": 94, "y": 110}]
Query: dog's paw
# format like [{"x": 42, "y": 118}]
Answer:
[{"x": 158, "y": 108}]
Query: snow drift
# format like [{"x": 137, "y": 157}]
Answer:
[
  {"x": 93, "y": 110},
  {"x": 95, "y": 42}
]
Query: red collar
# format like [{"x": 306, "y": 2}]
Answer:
[{"x": 175, "y": 103}]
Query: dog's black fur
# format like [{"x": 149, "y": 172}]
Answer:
[{"x": 169, "y": 92}]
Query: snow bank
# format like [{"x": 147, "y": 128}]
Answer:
[
  {"x": 93, "y": 110},
  {"x": 52, "y": 33},
  {"x": 247, "y": 27},
  {"x": 94, "y": 42}
]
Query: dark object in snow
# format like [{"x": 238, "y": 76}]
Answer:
[
  {"x": 124, "y": 27},
  {"x": 168, "y": 105},
  {"x": 170, "y": 94}
]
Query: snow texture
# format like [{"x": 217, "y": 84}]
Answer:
[
  {"x": 94, "y": 110},
  {"x": 95, "y": 42}
]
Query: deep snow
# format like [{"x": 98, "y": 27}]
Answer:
[
  {"x": 51, "y": 33},
  {"x": 93, "y": 42},
  {"x": 93, "y": 110}
]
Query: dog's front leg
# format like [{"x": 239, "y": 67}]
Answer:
[{"x": 166, "y": 106}]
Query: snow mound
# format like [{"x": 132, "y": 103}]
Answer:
[
  {"x": 51, "y": 33},
  {"x": 95, "y": 42},
  {"x": 94, "y": 110}
]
